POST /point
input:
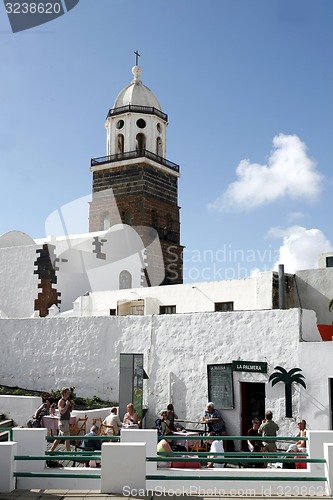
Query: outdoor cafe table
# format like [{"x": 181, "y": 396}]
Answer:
[
  {"x": 201, "y": 422},
  {"x": 51, "y": 422},
  {"x": 186, "y": 442}
]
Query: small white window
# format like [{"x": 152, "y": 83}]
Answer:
[
  {"x": 167, "y": 309},
  {"x": 224, "y": 306}
]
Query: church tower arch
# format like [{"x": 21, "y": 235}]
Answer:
[
  {"x": 140, "y": 143},
  {"x": 120, "y": 143}
]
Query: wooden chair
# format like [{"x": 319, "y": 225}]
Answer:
[
  {"x": 107, "y": 430},
  {"x": 199, "y": 446},
  {"x": 79, "y": 428},
  {"x": 97, "y": 421}
]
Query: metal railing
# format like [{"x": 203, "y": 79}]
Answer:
[
  {"x": 202, "y": 457},
  {"x": 240, "y": 457},
  {"x": 133, "y": 108},
  {"x": 130, "y": 155},
  {"x": 75, "y": 456}
]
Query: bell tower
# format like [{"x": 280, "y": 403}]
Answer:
[{"x": 144, "y": 183}]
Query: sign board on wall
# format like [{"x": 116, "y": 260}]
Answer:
[
  {"x": 249, "y": 366},
  {"x": 220, "y": 385}
]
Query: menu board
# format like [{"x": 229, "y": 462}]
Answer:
[{"x": 220, "y": 386}]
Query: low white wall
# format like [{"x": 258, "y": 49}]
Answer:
[
  {"x": 91, "y": 414},
  {"x": 19, "y": 408},
  {"x": 30, "y": 442}
]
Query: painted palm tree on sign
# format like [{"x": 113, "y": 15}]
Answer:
[{"x": 288, "y": 378}]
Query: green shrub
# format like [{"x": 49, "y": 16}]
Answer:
[{"x": 79, "y": 403}]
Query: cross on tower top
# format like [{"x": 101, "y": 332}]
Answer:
[{"x": 137, "y": 55}]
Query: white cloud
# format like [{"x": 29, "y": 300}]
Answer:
[
  {"x": 300, "y": 248},
  {"x": 289, "y": 173}
]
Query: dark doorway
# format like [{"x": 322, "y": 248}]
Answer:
[{"x": 253, "y": 405}]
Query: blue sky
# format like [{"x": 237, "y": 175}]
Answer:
[{"x": 247, "y": 85}]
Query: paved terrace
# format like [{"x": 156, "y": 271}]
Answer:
[{"x": 96, "y": 495}]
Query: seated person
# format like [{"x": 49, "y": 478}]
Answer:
[
  {"x": 293, "y": 448},
  {"x": 164, "y": 445},
  {"x": 259, "y": 448},
  {"x": 216, "y": 446},
  {"x": 114, "y": 420},
  {"x": 96, "y": 444},
  {"x": 42, "y": 410},
  {"x": 214, "y": 419},
  {"x": 171, "y": 416},
  {"x": 302, "y": 434},
  {"x": 53, "y": 409},
  {"x": 131, "y": 417},
  {"x": 163, "y": 423}
]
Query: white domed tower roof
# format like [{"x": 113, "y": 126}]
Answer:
[{"x": 137, "y": 94}]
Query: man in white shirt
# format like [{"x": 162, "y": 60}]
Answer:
[
  {"x": 114, "y": 420},
  {"x": 216, "y": 446}
]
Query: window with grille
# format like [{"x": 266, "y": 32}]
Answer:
[
  {"x": 137, "y": 310},
  {"x": 224, "y": 306},
  {"x": 167, "y": 309}
]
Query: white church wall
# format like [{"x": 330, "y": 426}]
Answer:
[
  {"x": 315, "y": 291},
  {"x": 18, "y": 283},
  {"x": 49, "y": 353},
  {"x": 80, "y": 266}
]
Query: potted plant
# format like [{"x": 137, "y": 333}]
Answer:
[{"x": 326, "y": 331}]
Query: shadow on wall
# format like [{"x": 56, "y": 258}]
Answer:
[
  {"x": 309, "y": 297},
  {"x": 178, "y": 395}
]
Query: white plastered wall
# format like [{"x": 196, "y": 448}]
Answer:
[
  {"x": 84, "y": 352},
  {"x": 18, "y": 283}
]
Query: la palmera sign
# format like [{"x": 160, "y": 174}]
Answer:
[{"x": 249, "y": 366}]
